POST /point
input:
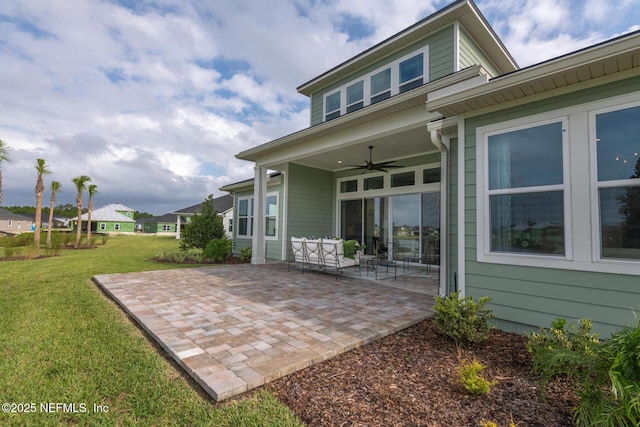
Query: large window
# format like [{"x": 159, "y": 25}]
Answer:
[
  {"x": 526, "y": 190},
  {"x": 618, "y": 182},
  {"x": 401, "y": 75},
  {"x": 561, "y": 189}
]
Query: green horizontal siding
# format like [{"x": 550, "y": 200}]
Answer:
[
  {"x": 311, "y": 202},
  {"x": 536, "y": 296},
  {"x": 471, "y": 54}
]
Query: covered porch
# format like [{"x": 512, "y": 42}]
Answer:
[{"x": 402, "y": 203}]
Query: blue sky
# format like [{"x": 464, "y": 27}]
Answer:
[{"x": 152, "y": 99}]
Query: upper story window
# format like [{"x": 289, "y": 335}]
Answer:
[
  {"x": 402, "y": 75},
  {"x": 381, "y": 86},
  {"x": 411, "y": 73},
  {"x": 355, "y": 96},
  {"x": 332, "y": 106}
]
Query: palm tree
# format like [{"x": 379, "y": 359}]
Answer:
[
  {"x": 55, "y": 187},
  {"x": 4, "y": 157},
  {"x": 41, "y": 168},
  {"x": 81, "y": 184},
  {"x": 93, "y": 189}
]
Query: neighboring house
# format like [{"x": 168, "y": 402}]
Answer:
[
  {"x": 11, "y": 223},
  {"x": 113, "y": 218},
  {"x": 525, "y": 181},
  {"x": 159, "y": 224},
  {"x": 223, "y": 205}
]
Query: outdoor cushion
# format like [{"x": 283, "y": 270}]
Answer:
[{"x": 350, "y": 249}]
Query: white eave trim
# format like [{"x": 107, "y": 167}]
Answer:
[{"x": 439, "y": 101}]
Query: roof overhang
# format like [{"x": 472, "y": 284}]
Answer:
[
  {"x": 463, "y": 11},
  {"x": 613, "y": 60}
]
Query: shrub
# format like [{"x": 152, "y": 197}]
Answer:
[
  {"x": 202, "y": 228},
  {"x": 217, "y": 250},
  {"x": 245, "y": 254},
  {"x": 606, "y": 375},
  {"x": 463, "y": 319},
  {"x": 104, "y": 237}
]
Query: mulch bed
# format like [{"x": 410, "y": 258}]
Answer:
[{"x": 410, "y": 379}]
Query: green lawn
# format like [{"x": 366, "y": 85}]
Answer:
[{"x": 63, "y": 342}]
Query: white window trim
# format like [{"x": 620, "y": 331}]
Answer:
[
  {"x": 482, "y": 151},
  {"x": 103, "y": 226},
  {"x": 116, "y": 227},
  {"x": 580, "y": 190},
  {"x": 250, "y": 217},
  {"x": 395, "y": 82},
  {"x": 10, "y": 223}
]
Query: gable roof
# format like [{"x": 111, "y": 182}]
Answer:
[
  {"x": 220, "y": 204},
  {"x": 615, "y": 59},
  {"x": 463, "y": 11},
  {"x": 5, "y": 214},
  {"x": 108, "y": 213}
]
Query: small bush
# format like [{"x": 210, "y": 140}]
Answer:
[
  {"x": 548, "y": 347},
  {"x": 245, "y": 254},
  {"x": 217, "y": 250},
  {"x": 468, "y": 374},
  {"x": 463, "y": 319},
  {"x": 104, "y": 237},
  {"x": 606, "y": 375}
]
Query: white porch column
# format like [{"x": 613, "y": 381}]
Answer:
[
  {"x": 178, "y": 227},
  {"x": 259, "y": 200},
  {"x": 442, "y": 143}
]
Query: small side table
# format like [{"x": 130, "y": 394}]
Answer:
[{"x": 369, "y": 262}]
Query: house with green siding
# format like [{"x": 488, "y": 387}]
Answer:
[
  {"x": 112, "y": 218},
  {"x": 520, "y": 184}
]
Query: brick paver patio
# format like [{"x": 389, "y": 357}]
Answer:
[{"x": 234, "y": 328}]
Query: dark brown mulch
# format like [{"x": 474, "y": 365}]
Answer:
[{"x": 410, "y": 379}]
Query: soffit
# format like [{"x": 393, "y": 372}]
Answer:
[
  {"x": 619, "y": 58},
  {"x": 463, "y": 11}
]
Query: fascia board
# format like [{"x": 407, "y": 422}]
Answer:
[{"x": 564, "y": 64}]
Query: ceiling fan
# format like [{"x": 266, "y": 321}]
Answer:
[{"x": 370, "y": 166}]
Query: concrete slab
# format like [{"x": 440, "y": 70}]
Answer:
[{"x": 234, "y": 328}]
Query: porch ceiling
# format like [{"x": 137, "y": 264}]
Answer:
[{"x": 408, "y": 143}]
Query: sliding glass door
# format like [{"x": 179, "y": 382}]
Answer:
[{"x": 408, "y": 225}]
